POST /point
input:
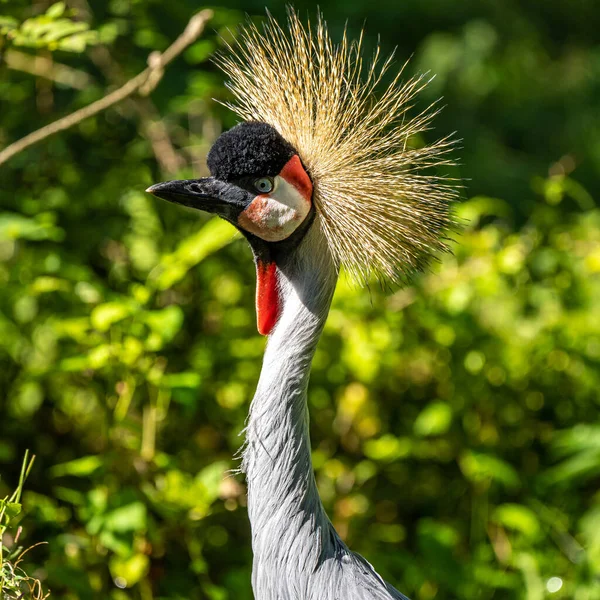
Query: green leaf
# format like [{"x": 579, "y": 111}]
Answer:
[
  {"x": 107, "y": 33},
  {"x": 105, "y": 315},
  {"x": 7, "y": 24},
  {"x": 129, "y": 571},
  {"x": 211, "y": 478},
  {"x": 443, "y": 533},
  {"x": 474, "y": 209},
  {"x": 80, "y": 467},
  {"x": 434, "y": 419},
  {"x": 99, "y": 356},
  {"x": 580, "y": 438},
  {"x": 481, "y": 468},
  {"x": 131, "y": 517},
  {"x": 519, "y": 518},
  {"x": 12, "y": 509},
  {"x": 14, "y": 227},
  {"x": 74, "y": 364},
  {"x": 166, "y": 322},
  {"x": 46, "y": 285},
  {"x": 583, "y": 465},
  {"x": 580, "y": 445},
  {"x": 200, "y": 51},
  {"x": 28, "y": 399},
  {"x": 589, "y": 527},
  {"x": 387, "y": 448},
  {"x": 56, "y": 10},
  {"x": 216, "y": 234},
  {"x": 77, "y": 42},
  {"x": 76, "y": 328},
  {"x": 181, "y": 380}
]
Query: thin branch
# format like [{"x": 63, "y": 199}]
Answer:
[
  {"x": 152, "y": 127},
  {"x": 155, "y": 130},
  {"x": 144, "y": 82}
]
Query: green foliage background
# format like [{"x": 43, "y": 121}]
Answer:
[{"x": 454, "y": 422}]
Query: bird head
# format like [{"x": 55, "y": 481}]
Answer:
[
  {"x": 259, "y": 184},
  {"x": 324, "y": 148}
]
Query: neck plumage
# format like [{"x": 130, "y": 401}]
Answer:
[{"x": 286, "y": 514}]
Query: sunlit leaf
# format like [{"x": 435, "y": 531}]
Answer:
[
  {"x": 12, "y": 509},
  {"x": 181, "y": 380},
  {"x": 166, "y": 322},
  {"x": 105, "y": 315},
  {"x": 128, "y": 571},
  {"x": 215, "y": 234},
  {"x": 434, "y": 419},
  {"x": 211, "y": 477},
  {"x": 481, "y": 468},
  {"x": 387, "y": 448},
  {"x": 80, "y": 467},
  {"x": 56, "y": 10},
  {"x": 131, "y": 517},
  {"x": 13, "y": 226},
  {"x": 519, "y": 518}
]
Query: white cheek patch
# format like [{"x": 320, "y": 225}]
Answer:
[{"x": 275, "y": 216}]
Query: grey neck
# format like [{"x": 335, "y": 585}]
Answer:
[{"x": 286, "y": 514}]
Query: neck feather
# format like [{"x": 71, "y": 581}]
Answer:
[{"x": 283, "y": 501}]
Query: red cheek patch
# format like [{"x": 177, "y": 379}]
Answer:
[
  {"x": 293, "y": 172},
  {"x": 268, "y": 303},
  {"x": 268, "y": 300},
  {"x": 256, "y": 213}
]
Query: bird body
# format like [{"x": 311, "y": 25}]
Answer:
[{"x": 318, "y": 175}]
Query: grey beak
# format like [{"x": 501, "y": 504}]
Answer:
[{"x": 209, "y": 194}]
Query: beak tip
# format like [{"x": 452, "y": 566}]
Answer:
[{"x": 203, "y": 194}]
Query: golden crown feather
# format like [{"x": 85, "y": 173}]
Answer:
[{"x": 381, "y": 210}]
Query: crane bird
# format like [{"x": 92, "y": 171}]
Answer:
[{"x": 319, "y": 174}]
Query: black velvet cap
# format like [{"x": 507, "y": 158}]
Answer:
[{"x": 250, "y": 149}]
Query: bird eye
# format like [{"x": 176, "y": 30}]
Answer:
[{"x": 264, "y": 185}]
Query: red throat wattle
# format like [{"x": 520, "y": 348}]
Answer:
[{"x": 268, "y": 303}]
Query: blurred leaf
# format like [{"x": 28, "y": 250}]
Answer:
[
  {"x": 215, "y": 234},
  {"x": 56, "y": 10},
  {"x": 45, "y": 285},
  {"x": 481, "y": 468},
  {"x": 129, "y": 571},
  {"x": 580, "y": 446},
  {"x": 434, "y": 419},
  {"x": 28, "y": 399},
  {"x": 13, "y": 226},
  {"x": 80, "y": 467},
  {"x": 583, "y": 465},
  {"x": 387, "y": 448},
  {"x": 200, "y": 51},
  {"x": 166, "y": 322},
  {"x": 519, "y": 518},
  {"x": 105, "y": 315},
  {"x": 7, "y": 24},
  {"x": 11, "y": 509},
  {"x": 581, "y": 438},
  {"x": 54, "y": 30},
  {"x": 131, "y": 517},
  {"x": 478, "y": 207},
  {"x": 211, "y": 477},
  {"x": 181, "y": 380}
]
